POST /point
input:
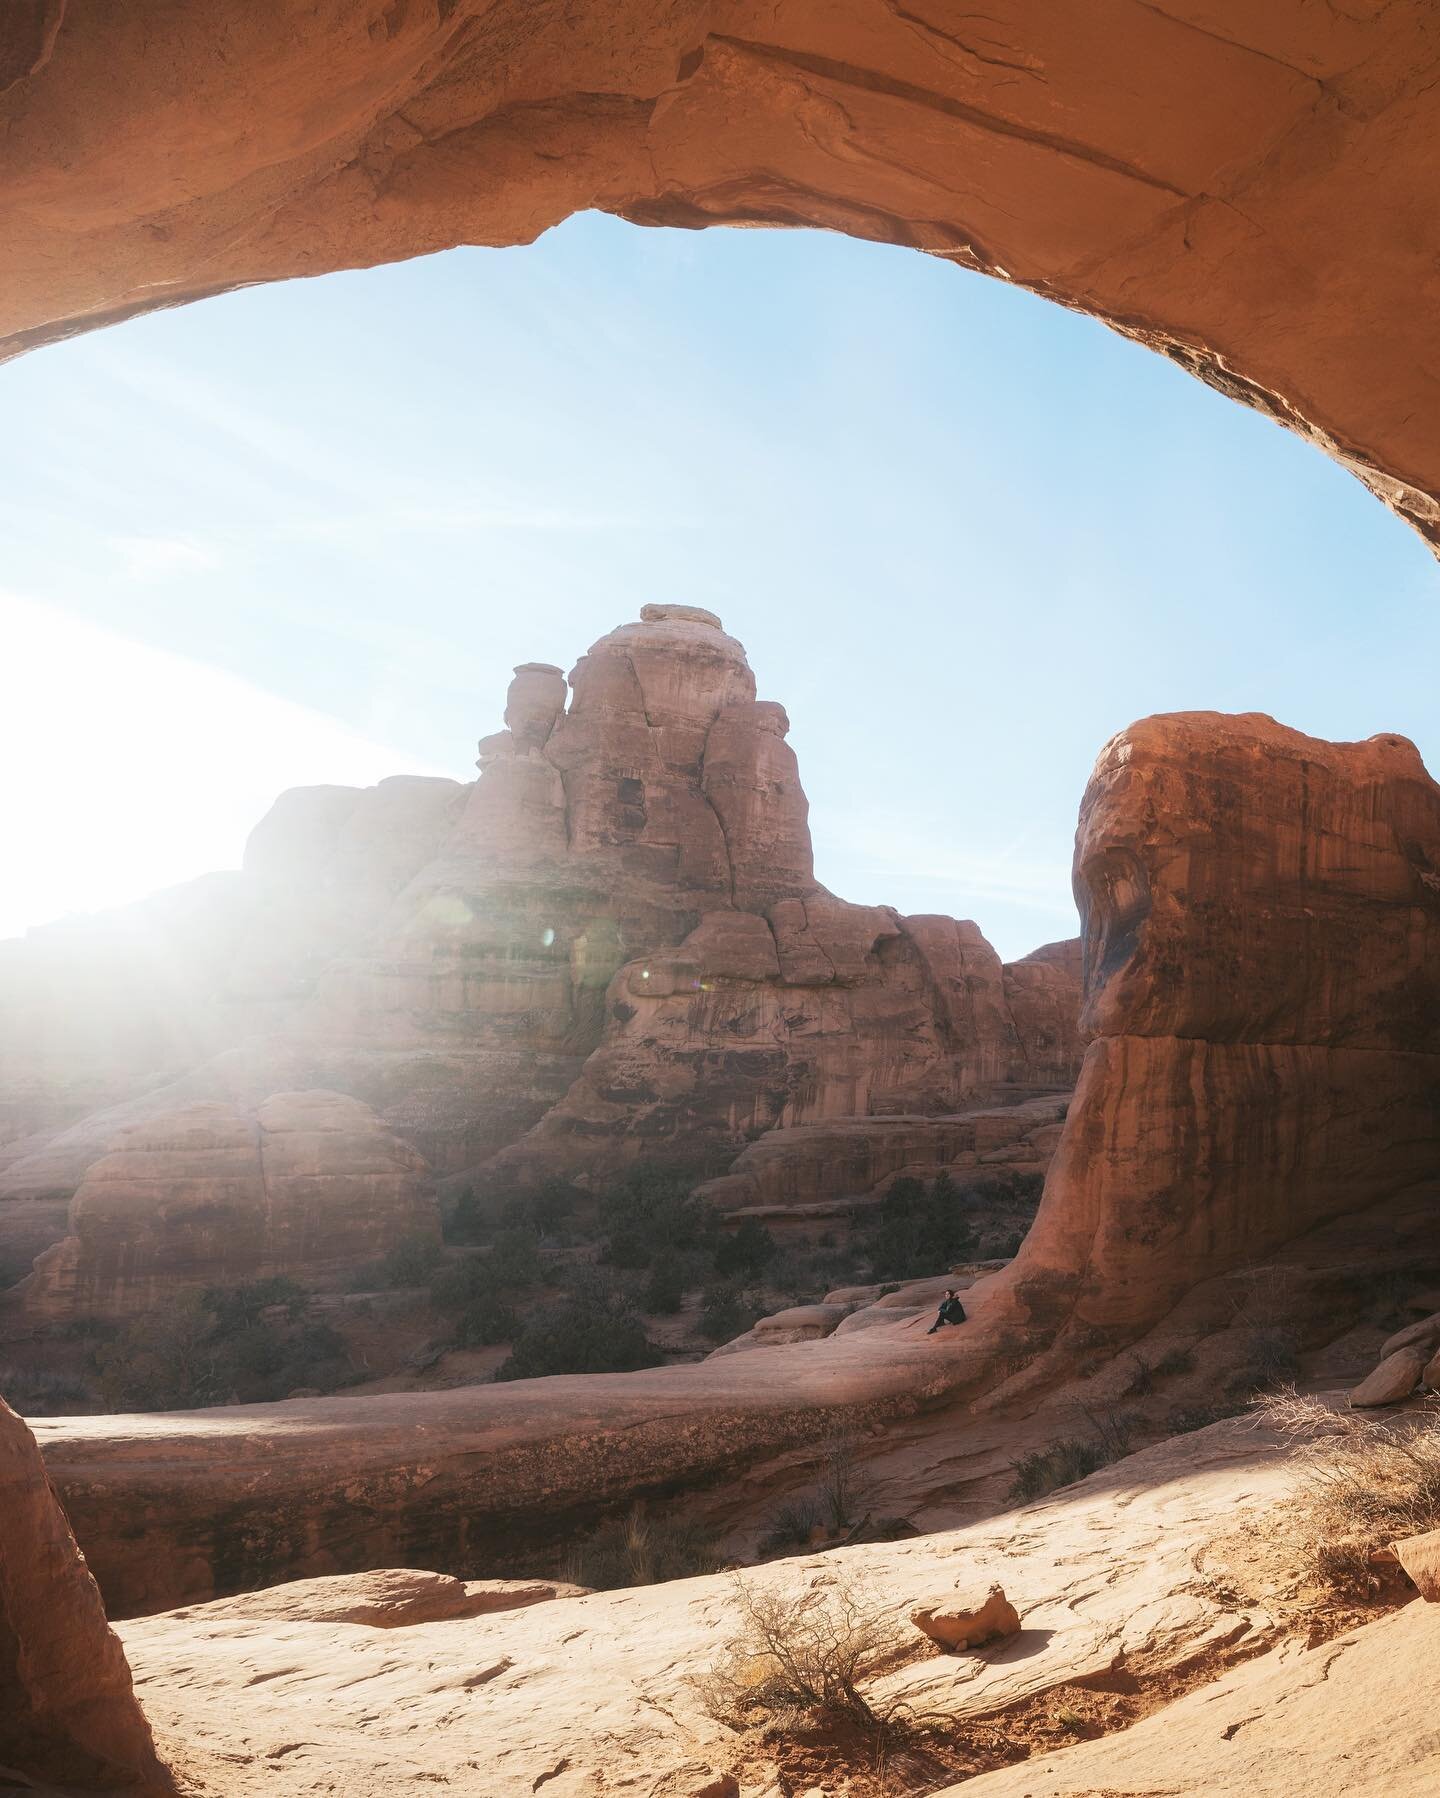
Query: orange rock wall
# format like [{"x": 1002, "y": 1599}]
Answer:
[
  {"x": 68, "y": 1713},
  {"x": 1262, "y": 948},
  {"x": 1247, "y": 189}
]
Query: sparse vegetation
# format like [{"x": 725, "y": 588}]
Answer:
[
  {"x": 242, "y": 1344},
  {"x": 38, "y": 1392},
  {"x": 1175, "y": 1361},
  {"x": 1361, "y": 1482},
  {"x": 1046, "y": 1470},
  {"x": 592, "y": 1330},
  {"x": 641, "y": 1549},
  {"x": 835, "y": 1504},
  {"x": 409, "y": 1263},
  {"x": 918, "y": 1230},
  {"x": 726, "y": 1312},
  {"x": 803, "y": 1658}
]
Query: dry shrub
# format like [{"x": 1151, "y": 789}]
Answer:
[
  {"x": 797, "y": 1661},
  {"x": 1360, "y": 1482}
]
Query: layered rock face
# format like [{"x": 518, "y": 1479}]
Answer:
[
  {"x": 309, "y": 1185},
  {"x": 625, "y": 930},
  {"x": 68, "y": 1712},
  {"x": 611, "y": 944},
  {"x": 1262, "y": 952},
  {"x": 1272, "y": 240}
]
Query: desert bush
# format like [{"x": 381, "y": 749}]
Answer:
[
  {"x": 641, "y": 1550},
  {"x": 791, "y": 1524},
  {"x": 665, "y": 1289},
  {"x": 1046, "y": 1470},
  {"x": 1142, "y": 1378},
  {"x": 835, "y": 1503},
  {"x": 1062, "y": 1463},
  {"x": 1360, "y": 1482},
  {"x": 799, "y": 1657},
  {"x": 221, "y": 1346},
  {"x": 1175, "y": 1361},
  {"x": 465, "y": 1222},
  {"x": 40, "y": 1392},
  {"x": 410, "y": 1263},
  {"x": 726, "y": 1312},
  {"x": 237, "y": 1308},
  {"x": 593, "y": 1330},
  {"x": 542, "y": 1209},
  {"x": 1272, "y": 1361},
  {"x": 486, "y": 1320},
  {"x": 649, "y": 1210},
  {"x": 918, "y": 1230},
  {"x": 806, "y": 1274},
  {"x": 746, "y": 1250},
  {"x": 515, "y": 1260}
]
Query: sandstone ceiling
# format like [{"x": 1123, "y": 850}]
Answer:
[{"x": 1250, "y": 190}]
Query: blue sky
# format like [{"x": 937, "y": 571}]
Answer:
[{"x": 303, "y": 532}]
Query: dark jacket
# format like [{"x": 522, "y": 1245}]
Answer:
[{"x": 951, "y": 1312}]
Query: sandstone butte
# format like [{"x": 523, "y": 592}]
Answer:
[
  {"x": 1257, "y": 1108},
  {"x": 611, "y": 945}
]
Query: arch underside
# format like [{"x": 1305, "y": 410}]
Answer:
[{"x": 1249, "y": 190}]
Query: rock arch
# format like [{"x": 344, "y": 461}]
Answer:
[{"x": 1248, "y": 190}]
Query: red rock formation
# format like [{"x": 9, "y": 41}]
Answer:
[
  {"x": 211, "y": 1196},
  {"x": 1262, "y": 950},
  {"x": 68, "y": 1712},
  {"x": 612, "y": 944},
  {"x": 1246, "y": 189},
  {"x": 1214, "y": 855}
]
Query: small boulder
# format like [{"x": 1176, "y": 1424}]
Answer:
[
  {"x": 1420, "y": 1557},
  {"x": 956, "y": 1627},
  {"x": 1430, "y": 1373},
  {"x": 1424, "y": 1336},
  {"x": 1394, "y": 1379}
]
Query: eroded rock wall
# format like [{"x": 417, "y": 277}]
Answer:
[
  {"x": 210, "y": 1195},
  {"x": 1262, "y": 950},
  {"x": 611, "y": 945},
  {"x": 69, "y": 1717}
]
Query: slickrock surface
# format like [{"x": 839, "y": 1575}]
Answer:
[
  {"x": 611, "y": 944},
  {"x": 392, "y": 1598},
  {"x": 1118, "y": 1578},
  {"x": 68, "y": 1714},
  {"x": 1347, "y": 1717},
  {"x": 1247, "y": 189},
  {"x": 309, "y": 1185}
]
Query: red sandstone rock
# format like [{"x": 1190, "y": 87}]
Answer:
[
  {"x": 1246, "y": 189},
  {"x": 613, "y": 944},
  {"x": 68, "y": 1712},
  {"x": 959, "y": 1626},
  {"x": 1262, "y": 950},
  {"x": 392, "y": 1598},
  {"x": 308, "y": 1186},
  {"x": 1394, "y": 1379}
]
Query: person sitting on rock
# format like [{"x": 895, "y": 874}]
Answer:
[{"x": 951, "y": 1311}]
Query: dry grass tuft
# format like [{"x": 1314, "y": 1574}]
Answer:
[{"x": 1361, "y": 1482}]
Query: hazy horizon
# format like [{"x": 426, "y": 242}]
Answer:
[{"x": 302, "y": 534}]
